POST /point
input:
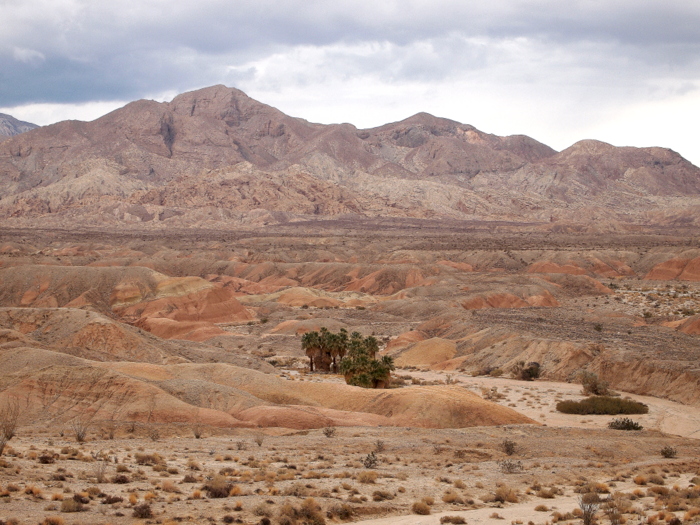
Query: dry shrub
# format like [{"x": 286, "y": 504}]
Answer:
[
  {"x": 342, "y": 511},
  {"x": 456, "y": 520},
  {"x": 656, "y": 479},
  {"x": 143, "y": 511},
  {"x": 505, "y": 494},
  {"x": 382, "y": 495},
  {"x": 53, "y": 520},
  {"x": 70, "y": 505},
  {"x": 452, "y": 497},
  {"x": 219, "y": 487},
  {"x": 263, "y": 509},
  {"x": 459, "y": 484},
  {"x": 420, "y": 507},
  {"x": 148, "y": 459},
  {"x": 542, "y": 508},
  {"x": 546, "y": 493},
  {"x": 368, "y": 476},
  {"x": 109, "y": 500},
  {"x": 640, "y": 479}
]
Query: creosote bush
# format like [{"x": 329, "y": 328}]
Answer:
[
  {"x": 602, "y": 405},
  {"x": 624, "y": 423}
]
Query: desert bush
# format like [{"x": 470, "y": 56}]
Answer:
[
  {"x": 589, "y": 504},
  {"x": 259, "y": 439},
  {"x": 602, "y": 405},
  {"x": 342, "y": 511},
  {"x": 52, "y": 520},
  {"x": 456, "y": 520},
  {"x": 121, "y": 479},
  {"x": 452, "y": 497},
  {"x": 219, "y": 487},
  {"x": 80, "y": 427},
  {"x": 592, "y": 385},
  {"x": 505, "y": 494},
  {"x": 370, "y": 460},
  {"x": 367, "y": 477},
  {"x": 142, "y": 511},
  {"x": 379, "y": 446},
  {"x": 510, "y": 466},
  {"x": 9, "y": 417},
  {"x": 329, "y": 432},
  {"x": 109, "y": 500},
  {"x": 148, "y": 459},
  {"x": 669, "y": 452},
  {"x": 509, "y": 447},
  {"x": 99, "y": 471},
  {"x": 263, "y": 509},
  {"x": 420, "y": 507},
  {"x": 526, "y": 372},
  {"x": 70, "y": 505},
  {"x": 381, "y": 495},
  {"x": 624, "y": 423}
]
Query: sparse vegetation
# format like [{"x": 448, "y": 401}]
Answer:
[
  {"x": 602, "y": 405},
  {"x": 526, "y": 372},
  {"x": 592, "y": 384},
  {"x": 624, "y": 423},
  {"x": 669, "y": 452},
  {"x": 9, "y": 417}
]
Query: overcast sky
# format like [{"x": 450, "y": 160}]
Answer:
[{"x": 623, "y": 71}]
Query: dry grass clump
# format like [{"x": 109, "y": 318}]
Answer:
[
  {"x": 456, "y": 520},
  {"x": 542, "y": 508},
  {"x": 505, "y": 494},
  {"x": 382, "y": 495},
  {"x": 368, "y": 476},
  {"x": 308, "y": 513},
  {"x": 142, "y": 511},
  {"x": 71, "y": 505},
  {"x": 640, "y": 479},
  {"x": 420, "y": 507},
  {"x": 53, "y": 520},
  {"x": 148, "y": 459},
  {"x": 452, "y": 498},
  {"x": 219, "y": 487}
]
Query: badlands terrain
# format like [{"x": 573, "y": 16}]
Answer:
[
  {"x": 147, "y": 339},
  {"x": 159, "y": 266}
]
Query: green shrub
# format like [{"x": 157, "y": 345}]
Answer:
[
  {"x": 624, "y": 423},
  {"x": 602, "y": 405}
]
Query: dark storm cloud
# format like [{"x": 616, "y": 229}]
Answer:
[{"x": 72, "y": 51}]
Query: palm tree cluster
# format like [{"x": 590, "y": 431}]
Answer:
[{"x": 354, "y": 356}]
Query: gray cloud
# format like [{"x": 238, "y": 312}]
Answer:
[{"x": 77, "y": 50}]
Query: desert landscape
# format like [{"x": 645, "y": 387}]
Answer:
[{"x": 160, "y": 266}]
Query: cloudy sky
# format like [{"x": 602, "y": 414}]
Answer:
[{"x": 623, "y": 71}]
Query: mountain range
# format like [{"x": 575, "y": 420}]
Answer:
[
  {"x": 215, "y": 157},
  {"x": 10, "y": 126}
]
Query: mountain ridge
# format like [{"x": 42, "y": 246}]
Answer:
[
  {"x": 216, "y": 156},
  {"x": 10, "y": 126}
]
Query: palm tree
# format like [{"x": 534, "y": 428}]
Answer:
[{"x": 310, "y": 343}]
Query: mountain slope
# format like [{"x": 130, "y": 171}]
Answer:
[
  {"x": 215, "y": 156},
  {"x": 10, "y": 126}
]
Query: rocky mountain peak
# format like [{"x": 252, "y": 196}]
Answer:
[{"x": 10, "y": 126}]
